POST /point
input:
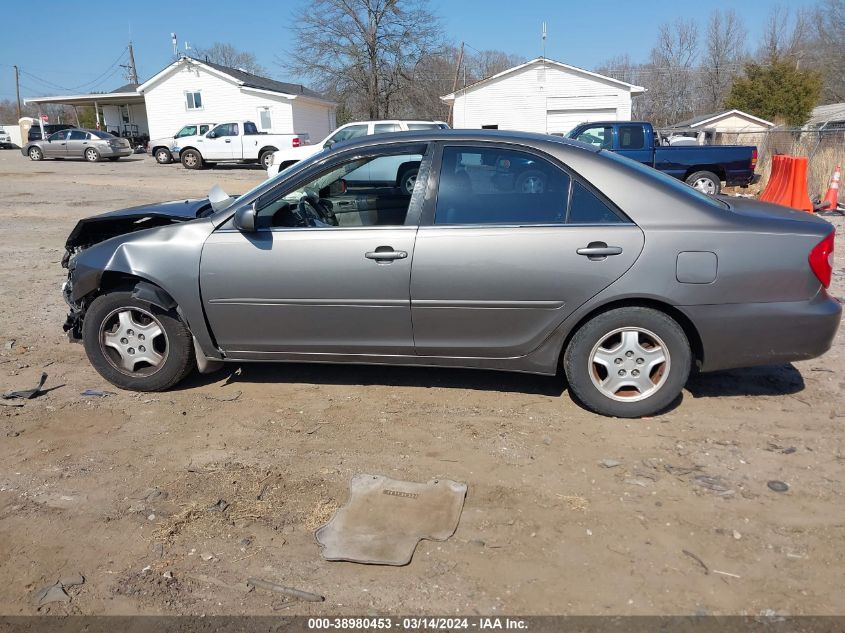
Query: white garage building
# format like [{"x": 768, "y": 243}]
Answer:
[
  {"x": 194, "y": 91},
  {"x": 542, "y": 96}
]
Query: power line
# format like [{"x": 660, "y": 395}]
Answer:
[{"x": 89, "y": 85}]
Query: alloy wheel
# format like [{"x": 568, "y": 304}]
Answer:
[
  {"x": 133, "y": 341},
  {"x": 629, "y": 364},
  {"x": 705, "y": 185}
]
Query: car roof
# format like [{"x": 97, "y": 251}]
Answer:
[{"x": 500, "y": 136}]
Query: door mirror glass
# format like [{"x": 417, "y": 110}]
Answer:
[
  {"x": 244, "y": 219},
  {"x": 211, "y": 134}
]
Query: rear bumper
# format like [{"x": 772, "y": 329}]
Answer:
[
  {"x": 749, "y": 334},
  {"x": 111, "y": 152}
]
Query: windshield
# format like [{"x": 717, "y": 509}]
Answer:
[{"x": 667, "y": 180}]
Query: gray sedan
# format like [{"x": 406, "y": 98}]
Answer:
[
  {"x": 92, "y": 145},
  {"x": 513, "y": 252}
]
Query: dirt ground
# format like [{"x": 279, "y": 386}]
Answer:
[{"x": 119, "y": 488}]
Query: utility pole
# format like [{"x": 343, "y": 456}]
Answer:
[
  {"x": 455, "y": 85},
  {"x": 18, "y": 90},
  {"x": 133, "y": 72}
]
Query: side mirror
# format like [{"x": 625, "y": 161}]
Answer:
[
  {"x": 328, "y": 144},
  {"x": 211, "y": 134},
  {"x": 244, "y": 219}
]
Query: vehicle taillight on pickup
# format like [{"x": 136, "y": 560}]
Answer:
[
  {"x": 753, "y": 158},
  {"x": 821, "y": 259},
  {"x": 296, "y": 142}
]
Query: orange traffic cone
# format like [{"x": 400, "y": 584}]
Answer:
[{"x": 831, "y": 198}]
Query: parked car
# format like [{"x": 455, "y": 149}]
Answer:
[
  {"x": 5, "y": 139},
  {"x": 160, "y": 148},
  {"x": 236, "y": 142},
  {"x": 286, "y": 157},
  {"x": 92, "y": 145},
  {"x": 704, "y": 167},
  {"x": 49, "y": 128},
  {"x": 519, "y": 252}
]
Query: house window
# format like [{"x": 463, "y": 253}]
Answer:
[
  {"x": 264, "y": 119},
  {"x": 194, "y": 100}
]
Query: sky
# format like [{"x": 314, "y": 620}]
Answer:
[{"x": 83, "y": 55}]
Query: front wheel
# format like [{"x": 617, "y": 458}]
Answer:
[
  {"x": 705, "y": 181},
  {"x": 628, "y": 362},
  {"x": 35, "y": 154},
  {"x": 163, "y": 156},
  {"x": 135, "y": 345},
  {"x": 191, "y": 159}
]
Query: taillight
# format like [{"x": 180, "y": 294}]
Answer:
[
  {"x": 296, "y": 142},
  {"x": 753, "y": 158},
  {"x": 821, "y": 259}
]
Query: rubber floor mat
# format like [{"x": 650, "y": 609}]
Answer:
[{"x": 385, "y": 518}]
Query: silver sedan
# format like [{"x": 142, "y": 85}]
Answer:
[
  {"x": 92, "y": 145},
  {"x": 513, "y": 252}
]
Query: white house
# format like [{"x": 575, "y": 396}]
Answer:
[
  {"x": 194, "y": 91},
  {"x": 727, "y": 121},
  {"x": 543, "y": 96}
]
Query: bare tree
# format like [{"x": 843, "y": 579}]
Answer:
[
  {"x": 487, "y": 63},
  {"x": 671, "y": 72},
  {"x": 827, "y": 49},
  {"x": 724, "y": 50},
  {"x": 366, "y": 51},
  {"x": 228, "y": 55},
  {"x": 622, "y": 68},
  {"x": 785, "y": 34}
]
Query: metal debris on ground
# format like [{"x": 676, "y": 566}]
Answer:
[
  {"x": 610, "y": 463},
  {"x": 778, "y": 486},
  {"x": 229, "y": 398},
  {"x": 220, "y": 506},
  {"x": 97, "y": 393},
  {"x": 10, "y": 344},
  {"x": 288, "y": 591},
  {"x": 27, "y": 394},
  {"x": 716, "y": 484}
]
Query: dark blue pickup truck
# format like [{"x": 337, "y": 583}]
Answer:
[{"x": 704, "y": 167}]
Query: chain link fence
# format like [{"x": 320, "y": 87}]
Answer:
[{"x": 824, "y": 147}]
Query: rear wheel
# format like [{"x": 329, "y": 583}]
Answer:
[
  {"x": 135, "y": 345},
  {"x": 628, "y": 362},
  {"x": 191, "y": 159},
  {"x": 705, "y": 181},
  {"x": 91, "y": 155},
  {"x": 163, "y": 156},
  {"x": 265, "y": 158},
  {"x": 36, "y": 154},
  {"x": 407, "y": 179}
]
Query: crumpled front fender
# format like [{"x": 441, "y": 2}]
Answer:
[{"x": 167, "y": 256}]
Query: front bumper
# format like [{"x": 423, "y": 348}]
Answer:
[{"x": 749, "y": 334}]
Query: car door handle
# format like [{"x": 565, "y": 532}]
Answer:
[
  {"x": 385, "y": 253},
  {"x": 597, "y": 251},
  {"x": 228, "y": 140}
]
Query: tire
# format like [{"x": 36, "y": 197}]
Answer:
[
  {"x": 530, "y": 181},
  {"x": 191, "y": 159},
  {"x": 264, "y": 158},
  {"x": 407, "y": 179},
  {"x": 91, "y": 155},
  {"x": 163, "y": 156},
  {"x": 705, "y": 182},
  {"x": 105, "y": 329},
  {"x": 35, "y": 154},
  {"x": 649, "y": 333}
]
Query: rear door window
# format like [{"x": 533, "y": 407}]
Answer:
[
  {"x": 499, "y": 186},
  {"x": 585, "y": 207},
  {"x": 631, "y": 137}
]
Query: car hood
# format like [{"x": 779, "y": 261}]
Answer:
[{"x": 99, "y": 228}]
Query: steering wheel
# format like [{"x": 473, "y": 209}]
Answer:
[{"x": 313, "y": 210}]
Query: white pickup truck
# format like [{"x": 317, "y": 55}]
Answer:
[
  {"x": 286, "y": 157},
  {"x": 234, "y": 142}
]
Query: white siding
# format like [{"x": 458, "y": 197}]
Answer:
[
  {"x": 316, "y": 119},
  {"x": 542, "y": 98},
  {"x": 222, "y": 100}
]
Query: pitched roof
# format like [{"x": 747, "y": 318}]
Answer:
[
  {"x": 832, "y": 112},
  {"x": 550, "y": 62},
  {"x": 262, "y": 83},
  {"x": 241, "y": 77},
  {"x": 704, "y": 118},
  {"x": 126, "y": 88}
]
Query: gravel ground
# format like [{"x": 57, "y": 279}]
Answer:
[{"x": 118, "y": 488}]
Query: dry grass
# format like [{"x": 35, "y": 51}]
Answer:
[{"x": 320, "y": 514}]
